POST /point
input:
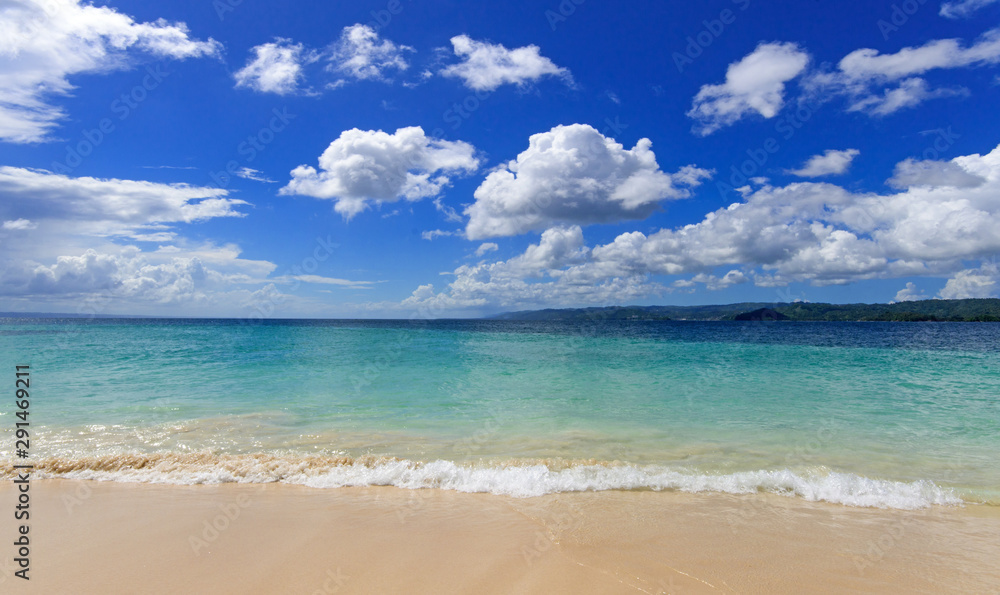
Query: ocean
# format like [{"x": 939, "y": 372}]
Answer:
[{"x": 889, "y": 415}]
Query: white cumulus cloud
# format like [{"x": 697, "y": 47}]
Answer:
[
  {"x": 45, "y": 42},
  {"x": 18, "y": 225},
  {"x": 362, "y": 166},
  {"x": 972, "y": 283},
  {"x": 537, "y": 277},
  {"x": 436, "y": 233},
  {"x": 910, "y": 293},
  {"x": 714, "y": 283},
  {"x": 865, "y": 64},
  {"x": 486, "y": 247},
  {"x": 911, "y": 172},
  {"x": 275, "y": 68},
  {"x": 125, "y": 275},
  {"x": 574, "y": 175},
  {"x": 362, "y": 54},
  {"x": 755, "y": 84},
  {"x": 80, "y": 253},
  {"x": 832, "y": 162},
  {"x": 817, "y": 233},
  {"x": 825, "y": 234},
  {"x": 908, "y": 93},
  {"x": 486, "y": 66},
  {"x": 873, "y": 83},
  {"x": 106, "y": 206},
  {"x": 881, "y": 84},
  {"x": 963, "y": 8}
]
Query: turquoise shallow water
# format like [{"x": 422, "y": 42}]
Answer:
[{"x": 876, "y": 414}]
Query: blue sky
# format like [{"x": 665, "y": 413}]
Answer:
[{"x": 396, "y": 158}]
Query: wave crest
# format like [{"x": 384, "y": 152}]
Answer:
[{"x": 520, "y": 478}]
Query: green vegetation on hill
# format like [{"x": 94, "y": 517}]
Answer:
[
  {"x": 761, "y": 314},
  {"x": 972, "y": 310},
  {"x": 982, "y": 310}
]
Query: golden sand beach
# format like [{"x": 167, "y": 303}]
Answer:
[{"x": 91, "y": 537}]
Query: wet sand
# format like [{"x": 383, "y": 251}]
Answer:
[{"x": 90, "y": 537}]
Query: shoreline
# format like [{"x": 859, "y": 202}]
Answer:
[
  {"x": 516, "y": 477},
  {"x": 90, "y": 537}
]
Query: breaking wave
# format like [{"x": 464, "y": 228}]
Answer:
[{"x": 518, "y": 478}]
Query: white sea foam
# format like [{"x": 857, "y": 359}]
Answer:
[
  {"x": 518, "y": 479},
  {"x": 537, "y": 480}
]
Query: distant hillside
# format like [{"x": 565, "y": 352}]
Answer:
[
  {"x": 762, "y": 314},
  {"x": 981, "y": 310}
]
